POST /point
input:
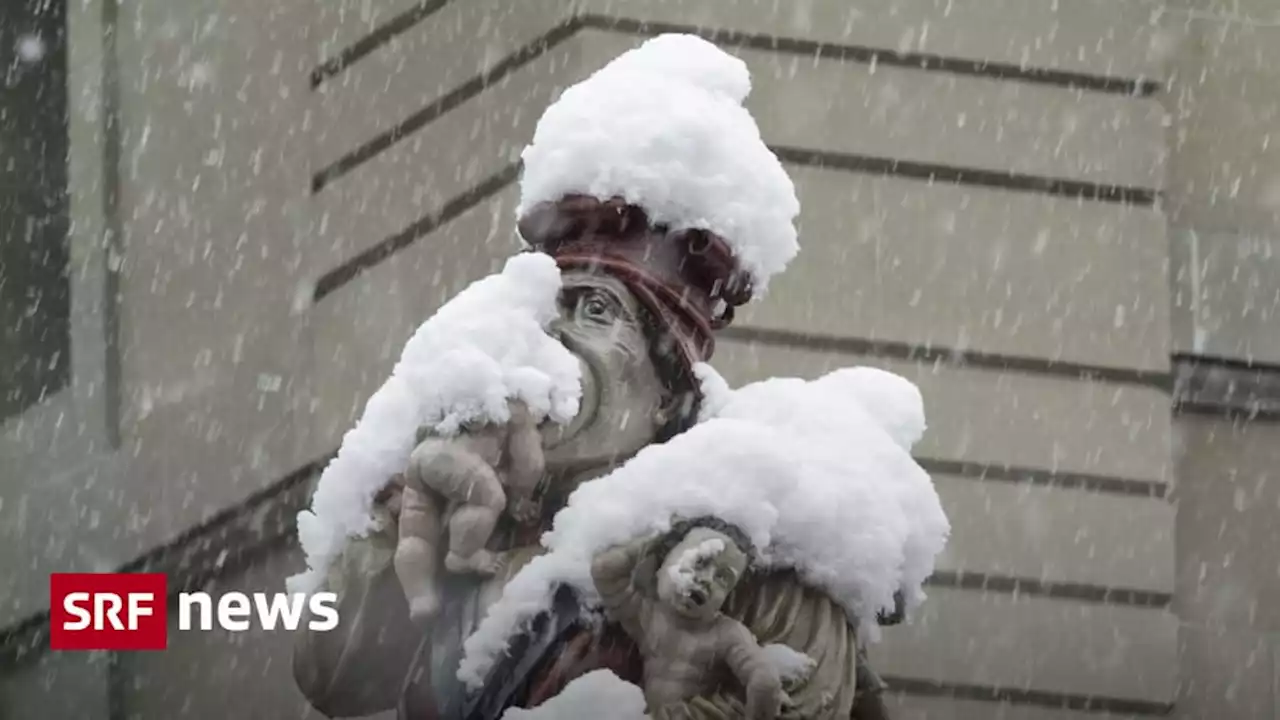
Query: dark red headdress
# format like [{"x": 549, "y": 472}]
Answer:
[{"x": 689, "y": 279}]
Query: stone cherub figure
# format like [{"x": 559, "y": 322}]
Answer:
[
  {"x": 488, "y": 471},
  {"x": 668, "y": 594}
]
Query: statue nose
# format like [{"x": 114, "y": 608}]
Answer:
[{"x": 557, "y": 326}]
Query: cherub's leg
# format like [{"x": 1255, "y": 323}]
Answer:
[
  {"x": 417, "y": 552},
  {"x": 471, "y": 526},
  {"x": 464, "y": 476}
]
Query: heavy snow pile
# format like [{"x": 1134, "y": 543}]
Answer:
[
  {"x": 863, "y": 407},
  {"x": 817, "y": 474},
  {"x": 663, "y": 126},
  {"x": 585, "y": 697},
  {"x": 486, "y": 346}
]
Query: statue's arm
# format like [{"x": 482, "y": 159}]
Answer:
[
  {"x": 359, "y": 667},
  {"x": 611, "y": 572}
]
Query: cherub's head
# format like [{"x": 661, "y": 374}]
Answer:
[{"x": 699, "y": 562}]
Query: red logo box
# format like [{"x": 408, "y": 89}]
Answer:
[{"x": 108, "y": 611}]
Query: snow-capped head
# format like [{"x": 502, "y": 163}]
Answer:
[{"x": 663, "y": 127}]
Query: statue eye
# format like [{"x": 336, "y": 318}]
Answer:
[{"x": 595, "y": 307}]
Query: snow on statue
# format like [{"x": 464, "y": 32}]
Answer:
[
  {"x": 817, "y": 475},
  {"x": 651, "y": 210},
  {"x": 484, "y": 355}
]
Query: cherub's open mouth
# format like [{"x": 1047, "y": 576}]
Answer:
[{"x": 697, "y": 597}]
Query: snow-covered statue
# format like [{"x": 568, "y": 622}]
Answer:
[
  {"x": 564, "y": 405},
  {"x": 817, "y": 480},
  {"x": 668, "y": 594}
]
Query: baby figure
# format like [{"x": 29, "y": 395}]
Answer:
[
  {"x": 668, "y": 594},
  {"x": 478, "y": 475}
]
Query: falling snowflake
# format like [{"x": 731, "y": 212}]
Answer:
[{"x": 31, "y": 48}]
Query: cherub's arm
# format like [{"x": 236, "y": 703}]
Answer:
[
  {"x": 525, "y": 463},
  {"x": 747, "y": 660},
  {"x": 611, "y": 571}
]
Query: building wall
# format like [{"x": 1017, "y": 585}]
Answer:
[
  {"x": 189, "y": 213},
  {"x": 1224, "y": 187},
  {"x": 1001, "y": 201}
]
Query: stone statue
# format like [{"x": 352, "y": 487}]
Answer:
[
  {"x": 638, "y": 308},
  {"x": 645, "y": 284},
  {"x": 671, "y": 606}
]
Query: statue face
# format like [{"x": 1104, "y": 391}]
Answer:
[
  {"x": 698, "y": 574},
  {"x": 601, "y": 322}
]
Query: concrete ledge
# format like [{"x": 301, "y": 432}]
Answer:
[{"x": 1227, "y": 387}]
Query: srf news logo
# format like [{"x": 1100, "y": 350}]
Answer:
[{"x": 130, "y": 611}]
